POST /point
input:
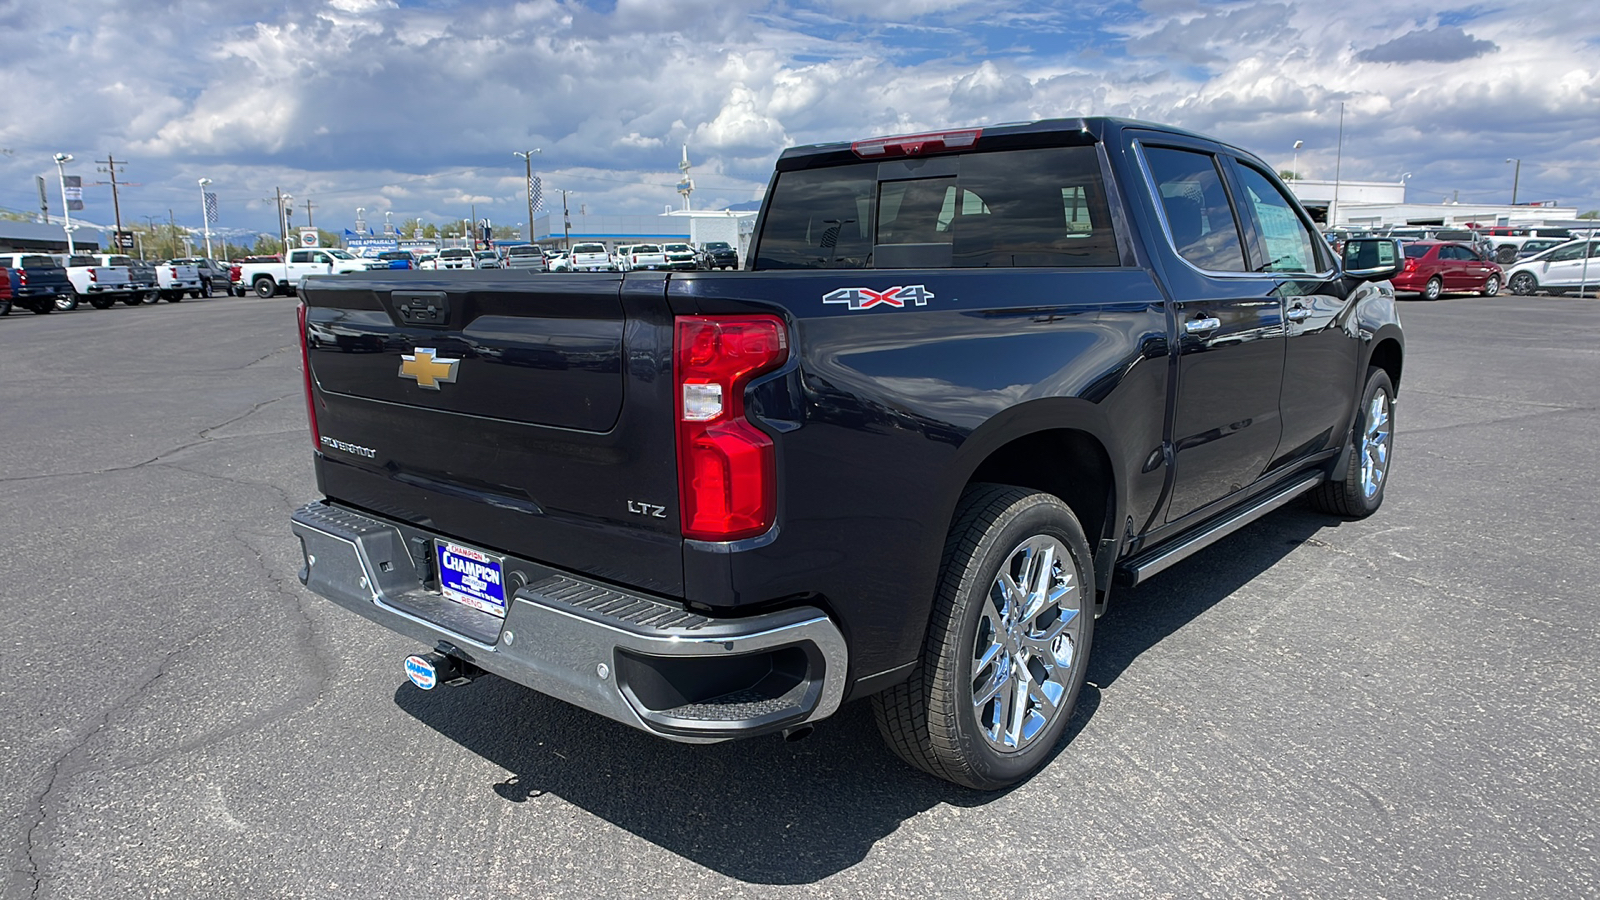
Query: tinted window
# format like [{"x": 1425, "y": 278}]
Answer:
[
  {"x": 1566, "y": 252},
  {"x": 1287, "y": 243},
  {"x": 588, "y": 248},
  {"x": 1417, "y": 251},
  {"x": 39, "y": 262},
  {"x": 1201, "y": 220},
  {"x": 1041, "y": 207}
]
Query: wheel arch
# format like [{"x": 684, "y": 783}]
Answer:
[
  {"x": 1388, "y": 354},
  {"x": 1062, "y": 447}
]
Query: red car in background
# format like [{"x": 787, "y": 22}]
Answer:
[{"x": 1436, "y": 268}]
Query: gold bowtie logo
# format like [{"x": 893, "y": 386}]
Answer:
[{"x": 427, "y": 369}]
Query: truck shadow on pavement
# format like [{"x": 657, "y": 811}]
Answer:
[{"x": 768, "y": 812}]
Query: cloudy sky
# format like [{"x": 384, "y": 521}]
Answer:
[{"x": 415, "y": 107}]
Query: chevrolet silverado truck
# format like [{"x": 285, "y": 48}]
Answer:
[
  {"x": 34, "y": 281},
  {"x": 270, "y": 278},
  {"x": 969, "y": 385}
]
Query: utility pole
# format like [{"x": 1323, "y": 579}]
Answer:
[
  {"x": 566, "y": 223},
  {"x": 283, "y": 230},
  {"x": 110, "y": 163},
  {"x": 528, "y": 158},
  {"x": 1516, "y": 177},
  {"x": 173, "y": 221},
  {"x": 308, "y": 214}
]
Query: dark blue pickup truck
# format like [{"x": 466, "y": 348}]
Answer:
[
  {"x": 32, "y": 281},
  {"x": 968, "y": 385}
]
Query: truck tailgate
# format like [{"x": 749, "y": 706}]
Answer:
[{"x": 527, "y": 415}]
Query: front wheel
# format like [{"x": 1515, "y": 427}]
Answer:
[
  {"x": 68, "y": 301},
  {"x": 265, "y": 287},
  {"x": 1434, "y": 289},
  {"x": 1491, "y": 287},
  {"x": 1524, "y": 284},
  {"x": 133, "y": 299},
  {"x": 1370, "y": 453},
  {"x": 1007, "y": 643}
]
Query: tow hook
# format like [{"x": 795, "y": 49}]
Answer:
[{"x": 429, "y": 670}]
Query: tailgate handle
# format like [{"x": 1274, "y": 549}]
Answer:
[{"x": 422, "y": 307}]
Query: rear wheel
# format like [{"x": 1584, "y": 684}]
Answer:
[
  {"x": 1370, "y": 453},
  {"x": 1007, "y": 643},
  {"x": 205, "y": 288},
  {"x": 101, "y": 301},
  {"x": 1434, "y": 289},
  {"x": 68, "y": 301},
  {"x": 174, "y": 296},
  {"x": 265, "y": 287},
  {"x": 1523, "y": 284},
  {"x": 43, "y": 307},
  {"x": 133, "y": 299},
  {"x": 1491, "y": 287}
]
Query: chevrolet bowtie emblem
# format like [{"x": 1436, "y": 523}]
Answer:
[{"x": 427, "y": 369}]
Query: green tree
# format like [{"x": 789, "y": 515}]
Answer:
[
  {"x": 1591, "y": 214},
  {"x": 265, "y": 245},
  {"x": 1287, "y": 174},
  {"x": 409, "y": 227},
  {"x": 327, "y": 238}
]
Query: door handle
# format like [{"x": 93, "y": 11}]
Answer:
[
  {"x": 1296, "y": 313},
  {"x": 1200, "y": 326}
]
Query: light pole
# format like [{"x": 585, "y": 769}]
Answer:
[
  {"x": 1403, "y": 177},
  {"x": 66, "y": 210},
  {"x": 150, "y": 225},
  {"x": 205, "y": 215},
  {"x": 1515, "y": 178},
  {"x": 527, "y": 157},
  {"x": 1338, "y": 166},
  {"x": 1294, "y": 171}
]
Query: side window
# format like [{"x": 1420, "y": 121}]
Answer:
[
  {"x": 1287, "y": 243},
  {"x": 299, "y": 256},
  {"x": 1197, "y": 210},
  {"x": 1566, "y": 253},
  {"x": 321, "y": 258}
]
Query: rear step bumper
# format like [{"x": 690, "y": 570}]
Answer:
[{"x": 633, "y": 658}]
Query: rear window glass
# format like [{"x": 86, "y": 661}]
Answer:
[
  {"x": 1038, "y": 207},
  {"x": 39, "y": 262},
  {"x": 454, "y": 253},
  {"x": 1416, "y": 251},
  {"x": 647, "y": 248},
  {"x": 82, "y": 261},
  {"x": 588, "y": 248},
  {"x": 524, "y": 251}
]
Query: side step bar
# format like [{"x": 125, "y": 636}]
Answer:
[{"x": 1139, "y": 568}]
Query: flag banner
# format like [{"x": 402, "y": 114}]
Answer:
[
  {"x": 211, "y": 208},
  {"x": 536, "y": 193},
  {"x": 72, "y": 187}
]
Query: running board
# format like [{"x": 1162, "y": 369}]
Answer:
[{"x": 1140, "y": 568}]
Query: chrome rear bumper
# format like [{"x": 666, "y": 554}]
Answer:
[{"x": 634, "y": 658}]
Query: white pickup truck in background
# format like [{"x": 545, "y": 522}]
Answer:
[
  {"x": 100, "y": 284},
  {"x": 270, "y": 278},
  {"x": 173, "y": 280}
]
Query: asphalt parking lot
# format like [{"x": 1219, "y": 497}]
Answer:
[{"x": 1399, "y": 707}]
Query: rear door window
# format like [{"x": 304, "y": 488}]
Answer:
[
  {"x": 1014, "y": 208},
  {"x": 1200, "y": 218}
]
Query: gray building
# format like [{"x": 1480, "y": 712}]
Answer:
[{"x": 47, "y": 238}]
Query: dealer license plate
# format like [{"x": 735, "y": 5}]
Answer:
[{"x": 472, "y": 577}]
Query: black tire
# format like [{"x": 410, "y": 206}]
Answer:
[
  {"x": 205, "y": 289},
  {"x": 133, "y": 299},
  {"x": 932, "y": 721},
  {"x": 174, "y": 297},
  {"x": 67, "y": 302},
  {"x": 1352, "y": 497},
  {"x": 1523, "y": 284},
  {"x": 1506, "y": 254},
  {"x": 265, "y": 287},
  {"x": 5, "y": 307},
  {"x": 1434, "y": 289},
  {"x": 101, "y": 301},
  {"x": 1491, "y": 288},
  {"x": 44, "y": 307}
]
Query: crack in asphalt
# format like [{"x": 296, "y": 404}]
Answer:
[
  {"x": 202, "y": 437},
  {"x": 59, "y": 768}
]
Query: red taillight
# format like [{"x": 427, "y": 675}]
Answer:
[
  {"x": 917, "y": 144},
  {"x": 235, "y": 272},
  {"x": 94, "y": 274},
  {"x": 305, "y": 369},
  {"x": 727, "y": 470},
  {"x": 1411, "y": 264},
  {"x": 22, "y": 277},
  {"x": 174, "y": 271},
  {"x": 5, "y": 283}
]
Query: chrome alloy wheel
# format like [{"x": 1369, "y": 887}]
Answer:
[
  {"x": 1026, "y": 644},
  {"x": 1375, "y": 445}
]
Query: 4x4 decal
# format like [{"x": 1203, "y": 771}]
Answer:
[{"x": 867, "y": 298}]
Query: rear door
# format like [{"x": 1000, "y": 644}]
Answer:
[
  {"x": 1226, "y": 424},
  {"x": 529, "y": 418}
]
